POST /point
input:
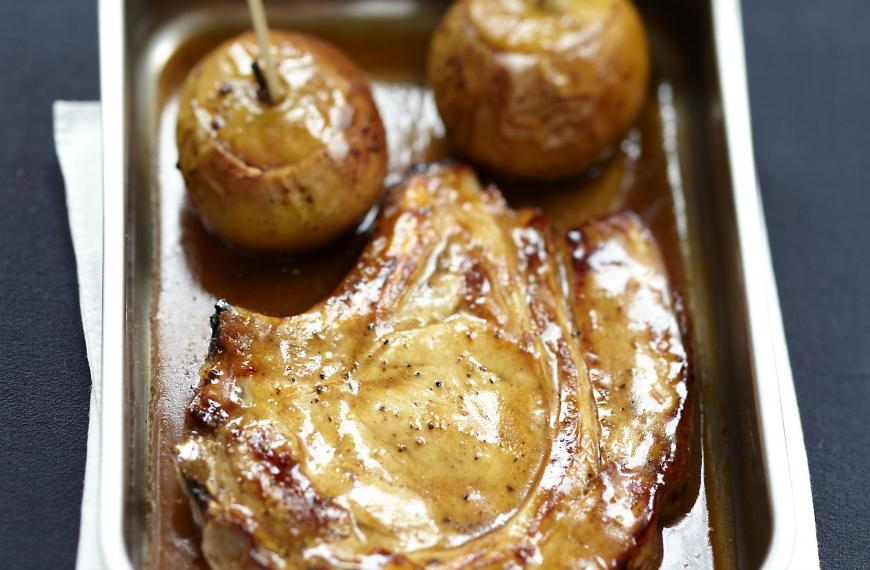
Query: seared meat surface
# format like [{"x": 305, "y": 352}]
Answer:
[{"x": 473, "y": 395}]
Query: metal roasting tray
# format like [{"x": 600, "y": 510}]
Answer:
[{"x": 754, "y": 507}]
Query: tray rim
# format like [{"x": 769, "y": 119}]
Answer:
[
  {"x": 114, "y": 169},
  {"x": 794, "y": 543},
  {"x": 793, "y": 535}
]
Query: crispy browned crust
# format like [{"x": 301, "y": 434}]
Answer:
[{"x": 452, "y": 281}]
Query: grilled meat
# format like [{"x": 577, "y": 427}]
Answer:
[{"x": 472, "y": 396}]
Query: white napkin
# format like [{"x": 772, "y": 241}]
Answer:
[{"x": 78, "y": 142}]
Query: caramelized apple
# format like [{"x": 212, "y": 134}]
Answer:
[
  {"x": 539, "y": 89},
  {"x": 287, "y": 175}
]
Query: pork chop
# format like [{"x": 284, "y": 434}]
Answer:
[{"x": 471, "y": 396}]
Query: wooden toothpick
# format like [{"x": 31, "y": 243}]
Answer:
[{"x": 261, "y": 28}]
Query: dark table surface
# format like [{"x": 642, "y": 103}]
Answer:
[{"x": 809, "y": 72}]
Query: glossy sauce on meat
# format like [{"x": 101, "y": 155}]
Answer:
[
  {"x": 443, "y": 408},
  {"x": 196, "y": 269}
]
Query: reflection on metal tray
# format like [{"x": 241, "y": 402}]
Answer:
[{"x": 693, "y": 184}]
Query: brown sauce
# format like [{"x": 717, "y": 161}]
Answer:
[{"x": 194, "y": 268}]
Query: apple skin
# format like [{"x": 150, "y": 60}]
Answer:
[
  {"x": 539, "y": 90},
  {"x": 282, "y": 178}
]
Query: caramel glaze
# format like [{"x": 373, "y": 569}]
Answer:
[
  {"x": 443, "y": 407},
  {"x": 195, "y": 268}
]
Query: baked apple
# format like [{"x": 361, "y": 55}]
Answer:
[
  {"x": 538, "y": 89},
  {"x": 280, "y": 176}
]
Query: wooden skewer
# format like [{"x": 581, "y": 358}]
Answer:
[{"x": 261, "y": 28}]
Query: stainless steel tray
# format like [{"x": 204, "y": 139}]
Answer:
[{"x": 754, "y": 489}]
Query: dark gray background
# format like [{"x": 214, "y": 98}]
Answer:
[{"x": 809, "y": 72}]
